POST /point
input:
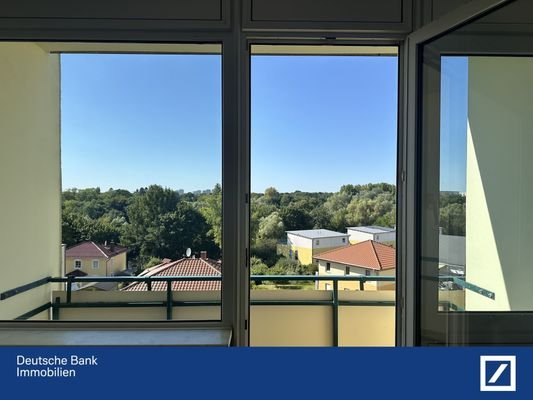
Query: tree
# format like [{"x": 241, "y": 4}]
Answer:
[
  {"x": 212, "y": 212},
  {"x": 144, "y": 213},
  {"x": 295, "y": 219},
  {"x": 272, "y": 196},
  {"x": 453, "y": 219},
  {"x": 271, "y": 227},
  {"x": 180, "y": 229}
]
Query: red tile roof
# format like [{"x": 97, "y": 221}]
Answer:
[
  {"x": 91, "y": 249},
  {"x": 368, "y": 254},
  {"x": 183, "y": 267}
]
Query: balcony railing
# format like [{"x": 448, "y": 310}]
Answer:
[{"x": 330, "y": 299}]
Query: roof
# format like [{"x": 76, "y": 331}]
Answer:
[
  {"x": 371, "y": 229},
  {"x": 368, "y": 254},
  {"x": 183, "y": 267},
  {"x": 317, "y": 233},
  {"x": 76, "y": 272},
  {"x": 91, "y": 249}
]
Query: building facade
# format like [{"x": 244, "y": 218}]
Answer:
[
  {"x": 96, "y": 259},
  {"x": 376, "y": 233},
  {"x": 368, "y": 258},
  {"x": 304, "y": 245}
]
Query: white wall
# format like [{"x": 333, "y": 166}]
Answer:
[
  {"x": 325, "y": 242},
  {"x": 30, "y": 224},
  {"x": 358, "y": 236},
  {"x": 499, "y": 215}
]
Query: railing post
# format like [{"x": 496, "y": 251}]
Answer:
[
  {"x": 149, "y": 285},
  {"x": 55, "y": 309},
  {"x": 69, "y": 290},
  {"x": 361, "y": 284},
  {"x": 335, "y": 313},
  {"x": 169, "y": 300}
]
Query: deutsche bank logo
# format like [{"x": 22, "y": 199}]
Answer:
[{"x": 497, "y": 373}]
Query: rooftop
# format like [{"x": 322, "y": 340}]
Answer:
[
  {"x": 183, "y": 267},
  {"x": 317, "y": 233},
  {"x": 368, "y": 254},
  {"x": 371, "y": 229},
  {"x": 91, "y": 249}
]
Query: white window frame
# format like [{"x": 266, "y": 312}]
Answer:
[
  {"x": 97, "y": 264},
  {"x": 76, "y": 263}
]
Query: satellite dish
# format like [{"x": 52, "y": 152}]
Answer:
[{"x": 188, "y": 252}]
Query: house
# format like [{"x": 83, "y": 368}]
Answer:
[
  {"x": 95, "y": 259},
  {"x": 376, "y": 233},
  {"x": 368, "y": 258},
  {"x": 202, "y": 266},
  {"x": 303, "y": 245}
]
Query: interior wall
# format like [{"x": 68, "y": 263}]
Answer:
[
  {"x": 499, "y": 219},
  {"x": 30, "y": 174}
]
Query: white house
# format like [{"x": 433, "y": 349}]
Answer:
[
  {"x": 376, "y": 233},
  {"x": 305, "y": 244}
]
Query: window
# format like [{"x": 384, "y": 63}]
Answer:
[
  {"x": 77, "y": 264},
  {"x": 96, "y": 264},
  {"x": 317, "y": 242},
  {"x": 328, "y": 267},
  {"x": 368, "y": 272},
  {"x": 343, "y": 240},
  {"x": 347, "y": 271}
]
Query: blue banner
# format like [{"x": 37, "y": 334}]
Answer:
[{"x": 273, "y": 373}]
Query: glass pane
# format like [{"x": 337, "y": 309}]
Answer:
[
  {"x": 131, "y": 139},
  {"x": 323, "y": 209},
  {"x": 485, "y": 216},
  {"x": 476, "y": 221}
]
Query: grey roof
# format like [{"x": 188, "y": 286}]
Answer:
[
  {"x": 317, "y": 233},
  {"x": 371, "y": 229}
]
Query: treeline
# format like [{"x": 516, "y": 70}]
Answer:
[
  {"x": 157, "y": 222},
  {"x": 153, "y": 222}
]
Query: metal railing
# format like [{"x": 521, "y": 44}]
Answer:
[{"x": 56, "y": 305}]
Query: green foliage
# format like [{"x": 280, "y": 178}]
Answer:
[
  {"x": 266, "y": 250},
  {"x": 295, "y": 218},
  {"x": 211, "y": 210},
  {"x": 271, "y": 227},
  {"x": 153, "y": 222},
  {"x": 258, "y": 267},
  {"x": 152, "y": 262},
  {"x": 453, "y": 219}
]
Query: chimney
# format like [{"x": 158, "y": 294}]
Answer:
[{"x": 203, "y": 255}]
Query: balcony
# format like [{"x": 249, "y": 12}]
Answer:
[{"x": 278, "y": 317}]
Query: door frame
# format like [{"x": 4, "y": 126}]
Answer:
[{"x": 408, "y": 327}]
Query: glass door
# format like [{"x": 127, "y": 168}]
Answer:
[{"x": 471, "y": 124}]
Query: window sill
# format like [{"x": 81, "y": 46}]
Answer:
[{"x": 116, "y": 337}]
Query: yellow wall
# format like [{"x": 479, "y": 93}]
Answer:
[
  {"x": 499, "y": 217},
  {"x": 115, "y": 264},
  {"x": 30, "y": 216},
  {"x": 306, "y": 254},
  {"x": 312, "y": 325}
]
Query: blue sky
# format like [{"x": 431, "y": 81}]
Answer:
[
  {"x": 317, "y": 122},
  {"x": 453, "y": 118}
]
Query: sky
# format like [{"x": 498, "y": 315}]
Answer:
[
  {"x": 318, "y": 122},
  {"x": 453, "y": 123}
]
